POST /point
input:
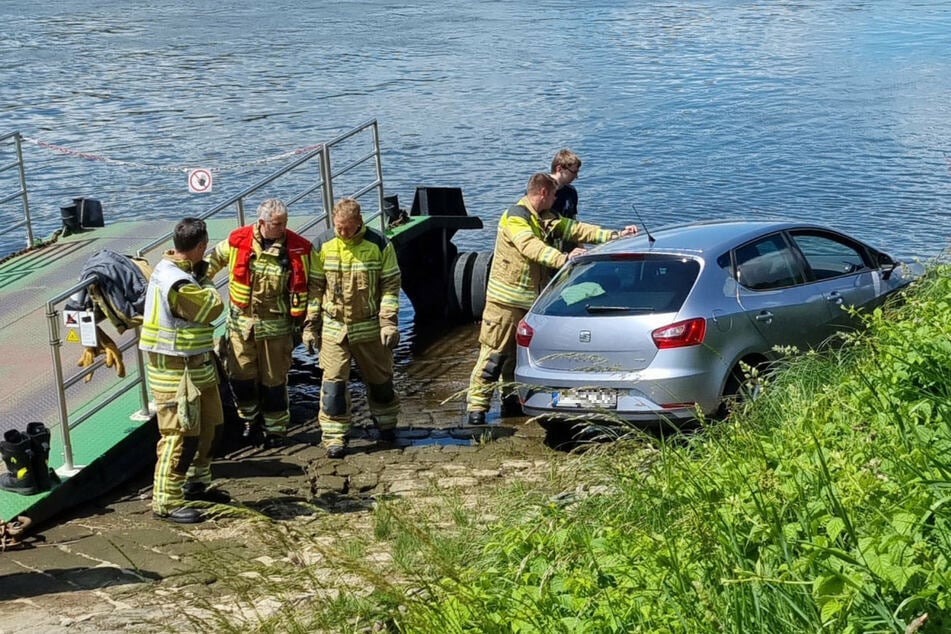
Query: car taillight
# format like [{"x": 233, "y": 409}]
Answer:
[
  {"x": 680, "y": 334},
  {"x": 524, "y": 334}
]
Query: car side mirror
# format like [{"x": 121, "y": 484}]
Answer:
[{"x": 886, "y": 264}]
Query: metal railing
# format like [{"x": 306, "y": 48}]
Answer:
[
  {"x": 324, "y": 183},
  {"x": 21, "y": 193}
]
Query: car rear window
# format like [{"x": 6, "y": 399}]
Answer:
[{"x": 620, "y": 284}]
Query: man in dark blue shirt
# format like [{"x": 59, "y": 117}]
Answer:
[{"x": 564, "y": 169}]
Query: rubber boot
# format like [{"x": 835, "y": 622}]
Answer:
[
  {"x": 16, "y": 451},
  {"x": 39, "y": 435},
  {"x": 475, "y": 418}
]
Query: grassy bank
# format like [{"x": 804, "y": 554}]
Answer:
[{"x": 821, "y": 506}]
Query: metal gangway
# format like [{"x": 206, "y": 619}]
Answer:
[{"x": 312, "y": 202}]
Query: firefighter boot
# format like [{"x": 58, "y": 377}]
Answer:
[
  {"x": 475, "y": 418},
  {"x": 201, "y": 491},
  {"x": 16, "y": 451},
  {"x": 253, "y": 433},
  {"x": 39, "y": 435}
]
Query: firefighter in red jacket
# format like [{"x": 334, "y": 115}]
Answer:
[{"x": 271, "y": 286}]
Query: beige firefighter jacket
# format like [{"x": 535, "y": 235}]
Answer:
[
  {"x": 523, "y": 260},
  {"x": 357, "y": 285}
]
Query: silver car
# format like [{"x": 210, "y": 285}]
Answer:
[{"x": 655, "y": 327}]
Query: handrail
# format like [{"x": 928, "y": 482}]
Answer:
[
  {"x": 325, "y": 182},
  {"x": 21, "y": 193},
  {"x": 52, "y": 316},
  {"x": 378, "y": 183},
  {"x": 326, "y": 177},
  {"x": 237, "y": 199}
]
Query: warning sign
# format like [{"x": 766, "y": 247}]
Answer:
[
  {"x": 85, "y": 320},
  {"x": 199, "y": 181}
]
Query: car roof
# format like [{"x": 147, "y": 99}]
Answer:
[{"x": 702, "y": 238}]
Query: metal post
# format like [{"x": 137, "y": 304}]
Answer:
[
  {"x": 143, "y": 388},
  {"x": 328, "y": 185},
  {"x": 52, "y": 315},
  {"x": 26, "y": 203},
  {"x": 240, "y": 203},
  {"x": 379, "y": 172}
]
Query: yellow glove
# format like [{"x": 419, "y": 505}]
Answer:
[
  {"x": 87, "y": 358},
  {"x": 106, "y": 346},
  {"x": 311, "y": 340},
  {"x": 390, "y": 336},
  {"x": 113, "y": 354}
]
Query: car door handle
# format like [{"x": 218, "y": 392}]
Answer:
[
  {"x": 765, "y": 316},
  {"x": 835, "y": 297}
]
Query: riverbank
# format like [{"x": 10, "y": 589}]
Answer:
[
  {"x": 821, "y": 506},
  {"x": 110, "y": 566},
  {"x": 818, "y": 506}
]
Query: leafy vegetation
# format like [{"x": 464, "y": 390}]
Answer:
[{"x": 822, "y": 506}]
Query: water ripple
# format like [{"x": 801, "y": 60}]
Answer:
[{"x": 835, "y": 111}]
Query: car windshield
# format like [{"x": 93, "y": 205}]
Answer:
[{"x": 622, "y": 284}]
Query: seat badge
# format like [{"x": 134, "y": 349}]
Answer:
[{"x": 584, "y": 336}]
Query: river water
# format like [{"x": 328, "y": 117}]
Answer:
[{"x": 829, "y": 110}]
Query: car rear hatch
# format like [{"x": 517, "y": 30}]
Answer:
[{"x": 599, "y": 313}]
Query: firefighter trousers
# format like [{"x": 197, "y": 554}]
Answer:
[
  {"x": 496, "y": 360},
  {"x": 257, "y": 371},
  {"x": 376, "y": 366},
  {"x": 183, "y": 456}
]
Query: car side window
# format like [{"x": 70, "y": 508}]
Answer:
[
  {"x": 829, "y": 256},
  {"x": 767, "y": 264}
]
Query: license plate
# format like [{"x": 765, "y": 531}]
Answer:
[{"x": 585, "y": 397}]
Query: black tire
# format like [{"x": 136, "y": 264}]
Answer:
[
  {"x": 559, "y": 433},
  {"x": 480, "y": 282},
  {"x": 731, "y": 394},
  {"x": 736, "y": 391},
  {"x": 461, "y": 294}
]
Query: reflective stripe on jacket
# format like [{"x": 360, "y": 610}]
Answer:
[
  {"x": 359, "y": 281},
  {"x": 523, "y": 259}
]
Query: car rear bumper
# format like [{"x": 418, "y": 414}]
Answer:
[
  {"x": 673, "y": 392},
  {"x": 631, "y": 406}
]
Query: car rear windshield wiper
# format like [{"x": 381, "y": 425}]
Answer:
[{"x": 619, "y": 309}]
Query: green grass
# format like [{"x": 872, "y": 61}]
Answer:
[{"x": 822, "y": 506}]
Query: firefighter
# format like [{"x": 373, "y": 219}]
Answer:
[
  {"x": 271, "y": 287},
  {"x": 359, "y": 285},
  {"x": 521, "y": 266},
  {"x": 178, "y": 336}
]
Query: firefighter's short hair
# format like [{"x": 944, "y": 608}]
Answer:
[
  {"x": 347, "y": 208},
  {"x": 270, "y": 208},
  {"x": 189, "y": 233},
  {"x": 541, "y": 181}
]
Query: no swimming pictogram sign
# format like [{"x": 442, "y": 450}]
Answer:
[{"x": 199, "y": 181}]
